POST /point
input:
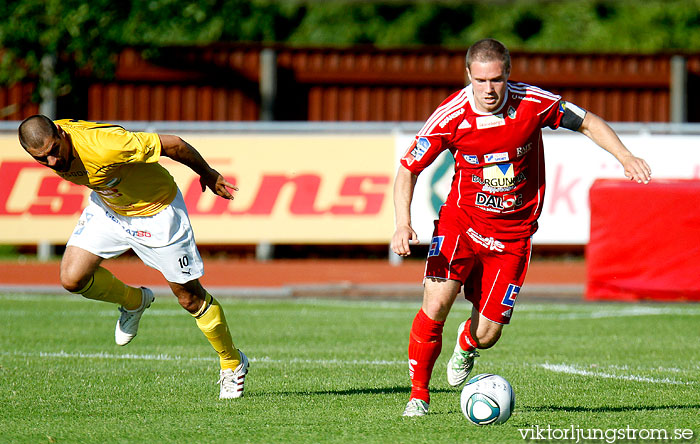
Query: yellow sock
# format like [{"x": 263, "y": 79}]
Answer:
[
  {"x": 105, "y": 287},
  {"x": 211, "y": 320}
]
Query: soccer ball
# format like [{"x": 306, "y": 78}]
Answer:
[{"x": 487, "y": 399}]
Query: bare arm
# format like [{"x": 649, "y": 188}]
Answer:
[
  {"x": 600, "y": 132},
  {"x": 403, "y": 195},
  {"x": 181, "y": 151}
]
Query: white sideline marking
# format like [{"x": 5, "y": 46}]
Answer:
[
  {"x": 571, "y": 370},
  {"x": 692, "y": 369},
  {"x": 166, "y": 357}
]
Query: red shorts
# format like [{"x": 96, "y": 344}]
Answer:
[{"x": 491, "y": 271}]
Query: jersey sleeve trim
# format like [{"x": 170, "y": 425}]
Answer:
[
  {"x": 546, "y": 109},
  {"x": 525, "y": 89},
  {"x": 442, "y": 113}
]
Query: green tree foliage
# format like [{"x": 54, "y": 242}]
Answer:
[
  {"x": 77, "y": 34},
  {"x": 83, "y": 34},
  {"x": 571, "y": 26}
]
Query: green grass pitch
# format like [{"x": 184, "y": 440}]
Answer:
[{"x": 329, "y": 371}]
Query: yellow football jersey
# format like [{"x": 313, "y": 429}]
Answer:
[{"x": 119, "y": 165}]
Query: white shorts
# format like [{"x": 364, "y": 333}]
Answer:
[{"x": 164, "y": 241}]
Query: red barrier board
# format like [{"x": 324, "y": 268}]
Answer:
[{"x": 645, "y": 241}]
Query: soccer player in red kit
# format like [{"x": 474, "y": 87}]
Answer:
[{"x": 482, "y": 237}]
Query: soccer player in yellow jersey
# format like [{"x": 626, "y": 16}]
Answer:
[{"x": 135, "y": 204}]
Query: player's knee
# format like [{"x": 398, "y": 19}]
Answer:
[
  {"x": 436, "y": 309},
  {"x": 72, "y": 282},
  {"x": 487, "y": 338},
  {"x": 73, "y": 277},
  {"x": 438, "y": 297},
  {"x": 190, "y": 295},
  {"x": 189, "y": 302}
]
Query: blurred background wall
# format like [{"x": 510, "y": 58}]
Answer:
[{"x": 237, "y": 82}]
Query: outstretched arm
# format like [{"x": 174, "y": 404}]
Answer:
[
  {"x": 600, "y": 132},
  {"x": 181, "y": 151},
  {"x": 403, "y": 195}
]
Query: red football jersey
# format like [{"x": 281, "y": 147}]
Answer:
[{"x": 499, "y": 179}]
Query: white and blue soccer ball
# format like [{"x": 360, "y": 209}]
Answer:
[{"x": 487, "y": 399}]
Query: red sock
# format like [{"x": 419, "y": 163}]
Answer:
[
  {"x": 424, "y": 346},
  {"x": 466, "y": 341}
]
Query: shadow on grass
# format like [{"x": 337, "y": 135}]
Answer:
[{"x": 608, "y": 409}]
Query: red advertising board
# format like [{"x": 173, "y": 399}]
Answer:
[{"x": 645, "y": 241}]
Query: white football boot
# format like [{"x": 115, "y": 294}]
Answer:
[
  {"x": 461, "y": 363},
  {"x": 416, "y": 407},
  {"x": 232, "y": 381},
  {"x": 128, "y": 323}
]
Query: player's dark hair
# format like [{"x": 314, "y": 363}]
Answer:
[
  {"x": 489, "y": 50},
  {"x": 34, "y": 130}
]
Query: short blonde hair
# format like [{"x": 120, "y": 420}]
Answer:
[{"x": 489, "y": 50}]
